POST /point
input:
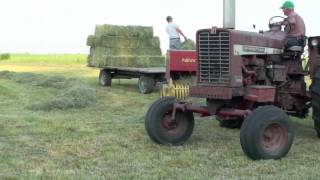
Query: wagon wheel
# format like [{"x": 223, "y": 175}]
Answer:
[
  {"x": 105, "y": 78},
  {"x": 162, "y": 129},
  {"x": 266, "y": 133},
  {"x": 146, "y": 84}
]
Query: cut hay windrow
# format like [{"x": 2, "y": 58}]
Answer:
[
  {"x": 71, "y": 92},
  {"x": 125, "y": 31},
  {"x": 126, "y": 61},
  {"x": 76, "y": 96},
  {"x": 58, "y": 82}
]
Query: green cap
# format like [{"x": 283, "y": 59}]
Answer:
[{"x": 287, "y": 5}]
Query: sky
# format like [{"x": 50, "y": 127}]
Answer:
[{"x": 62, "y": 26}]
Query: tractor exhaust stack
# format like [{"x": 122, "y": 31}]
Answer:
[{"x": 229, "y": 14}]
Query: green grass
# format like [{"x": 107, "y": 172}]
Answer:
[
  {"x": 107, "y": 140},
  {"x": 64, "y": 59}
]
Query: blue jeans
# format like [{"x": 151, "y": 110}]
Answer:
[
  {"x": 295, "y": 41},
  {"x": 175, "y": 43}
]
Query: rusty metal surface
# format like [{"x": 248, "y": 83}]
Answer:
[
  {"x": 211, "y": 92},
  {"x": 260, "y": 93}
]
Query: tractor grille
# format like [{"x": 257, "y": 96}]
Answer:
[{"x": 214, "y": 57}]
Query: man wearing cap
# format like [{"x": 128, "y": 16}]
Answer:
[
  {"x": 174, "y": 34},
  {"x": 296, "y": 35}
]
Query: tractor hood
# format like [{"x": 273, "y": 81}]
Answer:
[
  {"x": 244, "y": 42},
  {"x": 272, "y": 39},
  {"x": 249, "y": 43}
]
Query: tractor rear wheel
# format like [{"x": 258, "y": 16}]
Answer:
[
  {"x": 316, "y": 123},
  {"x": 315, "y": 102},
  {"x": 266, "y": 133},
  {"x": 105, "y": 78},
  {"x": 146, "y": 84},
  {"x": 164, "y": 130}
]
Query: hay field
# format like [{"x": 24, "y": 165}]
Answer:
[{"x": 107, "y": 139}]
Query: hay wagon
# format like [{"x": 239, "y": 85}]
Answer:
[
  {"x": 126, "y": 52},
  {"x": 179, "y": 63},
  {"x": 148, "y": 77}
]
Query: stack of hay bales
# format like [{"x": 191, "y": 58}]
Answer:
[
  {"x": 124, "y": 46},
  {"x": 188, "y": 45}
]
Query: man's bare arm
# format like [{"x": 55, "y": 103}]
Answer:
[{"x": 179, "y": 31}]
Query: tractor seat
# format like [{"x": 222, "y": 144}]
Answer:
[
  {"x": 295, "y": 48},
  {"x": 292, "y": 51}
]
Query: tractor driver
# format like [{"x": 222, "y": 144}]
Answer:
[{"x": 297, "y": 29}]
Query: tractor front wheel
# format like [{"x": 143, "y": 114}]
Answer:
[
  {"x": 266, "y": 133},
  {"x": 160, "y": 126}
]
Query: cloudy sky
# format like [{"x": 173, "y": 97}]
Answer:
[{"x": 62, "y": 26}]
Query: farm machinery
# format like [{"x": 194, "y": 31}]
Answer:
[
  {"x": 180, "y": 65},
  {"x": 249, "y": 80},
  {"x": 180, "y": 73}
]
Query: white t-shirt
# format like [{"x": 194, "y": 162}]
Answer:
[{"x": 172, "y": 30}]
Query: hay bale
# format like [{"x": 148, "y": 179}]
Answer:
[
  {"x": 124, "y": 46},
  {"x": 188, "y": 45},
  {"x": 127, "y": 61},
  {"x": 91, "y": 40},
  {"x": 100, "y": 51},
  {"x": 126, "y": 31},
  {"x": 126, "y": 42}
]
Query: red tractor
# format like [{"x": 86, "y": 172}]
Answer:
[{"x": 249, "y": 80}]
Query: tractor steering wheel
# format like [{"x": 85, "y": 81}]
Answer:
[{"x": 277, "y": 22}]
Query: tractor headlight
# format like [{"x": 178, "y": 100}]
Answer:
[{"x": 314, "y": 42}]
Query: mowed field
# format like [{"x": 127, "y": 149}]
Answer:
[{"x": 107, "y": 139}]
